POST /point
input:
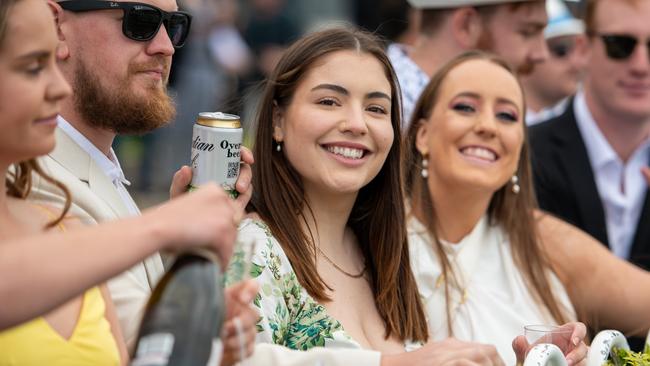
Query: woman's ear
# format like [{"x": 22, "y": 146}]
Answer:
[
  {"x": 278, "y": 123},
  {"x": 422, "y": 137}
]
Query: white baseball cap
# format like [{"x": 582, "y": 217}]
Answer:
[
  {"x": 442, "y": 4},
  {"x": 560, "y": 21}
]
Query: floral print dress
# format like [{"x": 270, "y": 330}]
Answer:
[{"x": 289, "y": 316}]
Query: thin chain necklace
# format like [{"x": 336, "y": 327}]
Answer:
[{"x": 341, "y": 269}]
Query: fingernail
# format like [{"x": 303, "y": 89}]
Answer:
[
  {"x": 569, "y": 361},
  {"x": 576, "y": 341}
]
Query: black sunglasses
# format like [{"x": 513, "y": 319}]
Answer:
[
  {"x": 560, "y": 47},
  {"x": 620, "y": 46},
  {"x": 141, "y": 21}
]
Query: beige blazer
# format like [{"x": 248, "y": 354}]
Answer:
[{"x": 95, "y": 199}]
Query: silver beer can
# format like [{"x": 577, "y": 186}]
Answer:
[{"x": 216, "y": 144}]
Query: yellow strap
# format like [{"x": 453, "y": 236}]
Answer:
[{"x": 51, "y": 214}]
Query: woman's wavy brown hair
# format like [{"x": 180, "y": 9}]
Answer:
[
  {"x": 18, "y": 182},
  {"x": 513, "y": 212},
  {"x": 378, "y": 215}
]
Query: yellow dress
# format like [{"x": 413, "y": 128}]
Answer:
[{"x": 36, "y": 343}]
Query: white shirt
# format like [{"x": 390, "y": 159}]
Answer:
[
  {"x": 533, "y": 118},
  {"x": 492, "y": 303},
  {"x": 621, "y": 186},
  {"x": 412, "y": 80},
  {"x": 110, "y": 166}
]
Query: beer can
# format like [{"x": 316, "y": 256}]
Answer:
[{"x": 216, "y": 144}]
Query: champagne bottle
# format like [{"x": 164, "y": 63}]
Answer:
[{"x": 183, "y": 318}]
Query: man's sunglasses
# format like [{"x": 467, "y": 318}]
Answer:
[
  {"x": 561, "y": 47},
  {"x": 141, "y": 21},
  {"x": 620, "y": 46}
]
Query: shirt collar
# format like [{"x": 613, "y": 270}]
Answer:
[
  {"x": 108, "y": 164},
  {"x": 599, "y": 150}
]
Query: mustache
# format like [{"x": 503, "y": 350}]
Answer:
[
  {"x": 156, "y": 63},
  {"x": 526, "y": 69}
]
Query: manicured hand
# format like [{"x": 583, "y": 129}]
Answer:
[{"x": 573, "y": 346}]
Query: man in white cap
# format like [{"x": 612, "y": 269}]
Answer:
[
  {"x": 547, "y": 88},
  {"x": 513, "y": 29}
]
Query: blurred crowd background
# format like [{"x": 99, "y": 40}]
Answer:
[{"x": 233, "y": 45}]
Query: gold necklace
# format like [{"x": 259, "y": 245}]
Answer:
[{"x": 341, "y": 269}]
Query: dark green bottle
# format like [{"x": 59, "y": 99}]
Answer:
[{"x": 183, "y": 318}]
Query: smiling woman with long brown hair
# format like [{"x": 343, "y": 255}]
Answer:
[
  {"x": 327, "y": 227},
  {"x": 474, "y": 245}
]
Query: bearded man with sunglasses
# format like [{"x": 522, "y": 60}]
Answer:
[
  {"x": 549, "y": 86},
  {"x": 588, "y": 162}
]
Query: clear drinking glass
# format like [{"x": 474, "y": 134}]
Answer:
[{"x": 553, "y": 334}]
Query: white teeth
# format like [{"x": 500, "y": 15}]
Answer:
[
  {"x": 479, "y": 152},
  {"x": 348, "y": 152}
]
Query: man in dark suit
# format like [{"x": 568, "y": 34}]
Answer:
[{"x": 588, "y": 162}]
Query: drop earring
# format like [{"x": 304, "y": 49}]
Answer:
[
  {"x": 515, "y": 184},
  {"x": 425, "y": 167}
]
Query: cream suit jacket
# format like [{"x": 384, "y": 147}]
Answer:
[{"x": 95, "y": 199}]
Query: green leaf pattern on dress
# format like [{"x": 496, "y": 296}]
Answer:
[{"x": 289, "y": 316}]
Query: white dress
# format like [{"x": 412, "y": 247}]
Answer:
[{"x": 492, "y": 303}]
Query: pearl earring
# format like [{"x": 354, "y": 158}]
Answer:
[
  {"x": 278, "y": 147},
  {"x": 515, "y": 184},
  {"x": 425, "y": 167}
]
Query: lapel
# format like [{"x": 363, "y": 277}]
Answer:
[
  {"x": 580, "y": 177},
  {"x": 71, "y": 156},
  {"x": 640, "y": 252}
]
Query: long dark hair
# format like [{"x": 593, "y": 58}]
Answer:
[
  {"x": 19, "y": 181},
  {"x": 514, "y": 212},
  {"x": 378, "y": 215}
]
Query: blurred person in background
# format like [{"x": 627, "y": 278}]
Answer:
[
  {"x": 396, "y": 21},
  {"x": 199, "y": 82},
  {"x": 268, "y": 32},
  {"x": 553, "y": 81},
  {"x": 512, "y": 29},
  {"x": 588, "y": 162}
]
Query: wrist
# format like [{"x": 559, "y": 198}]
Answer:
[{"x": 156, "y": 234}]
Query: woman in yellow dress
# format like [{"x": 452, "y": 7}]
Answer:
[{"x": 84, "y": 330}]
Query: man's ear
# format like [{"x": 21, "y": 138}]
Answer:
[
  {"x": 422, "y": 137},
  {"x": 278, "y": 123},
  {"x": 62, "y": 50},
  {"x": 466, "y": 27}
]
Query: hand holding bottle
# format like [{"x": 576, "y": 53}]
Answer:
[{"x": 204, "y": 218}]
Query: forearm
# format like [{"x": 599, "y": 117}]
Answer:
[
  {"x": 41, "y": 272},
  {"x": 608, "y": 290}
]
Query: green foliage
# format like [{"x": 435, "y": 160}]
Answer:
[{"x": 622, "y": 357}]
